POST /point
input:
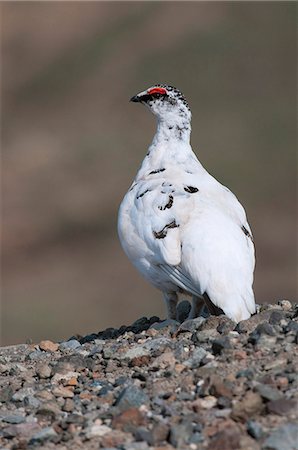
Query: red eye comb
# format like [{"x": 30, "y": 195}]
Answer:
[{"x": 157, "y": 90}]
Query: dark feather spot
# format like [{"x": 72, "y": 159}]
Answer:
[
  {"x": 143, "y": 193},
  {"x": 191, "y": 189},
  {"x": 168, "y": 205},
  {"x": 156, "y": 171},
  {"x": 163, "y": 232},
  {"x": 246, "y": 232}
]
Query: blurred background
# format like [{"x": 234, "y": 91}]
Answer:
[{"x": 72, "y": 143}]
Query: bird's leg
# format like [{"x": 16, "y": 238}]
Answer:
[
  {"x": 171, "y": 299},
  {"x": 212, "y": 308},
  {"x": 197, "y": 305}
]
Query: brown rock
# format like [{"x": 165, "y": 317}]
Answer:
[
  {"x": 281, "y": 406},
  {"x": 219, "y": 389},
  {"x": 128, "y": 419},
  {"x": 64, "y": 392},
  {"x": 115, "y": 439},
  {"x": 140, "y": 361},
  {"x": 227, "y": 439},
  {"x": 43, "y": 371},
  {"x": 250, "y": 405},
  {"x": 48, "y": 346},
  {"x": 68, "y": 405}
]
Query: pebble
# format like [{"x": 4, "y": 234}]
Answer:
[
  {"x": 284, "y": 438},
  {"x": 70, "y": 345},
  {"x": 254, "y": 429},
  {"x": 95, "y": 430},
  {"x": 204, "y": 386},
  {"x": 48, "y": 346},
  {"x": 43, "y": 371},
  {"x": 218, "y": 345},
  {"x": 131, "y": 396},
  {"x": 43, "y": 435},
  {"x": 64, "y": 392},
  {"x": 268, "y": 392},
  {"x": 281, "y": 406},
  {"x": 196, "y": 359},
  {"x": 14, "y": 419},
  {"x": 285, "y": 304},
  {"x": 249, "y": 406}
]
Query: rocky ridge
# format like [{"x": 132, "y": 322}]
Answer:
[{"x": 189, "y": 384}]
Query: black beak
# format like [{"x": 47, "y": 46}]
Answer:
[{"x": 135, "y": 99}]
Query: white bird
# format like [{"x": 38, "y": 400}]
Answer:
[{"x": 182, "y": 229}]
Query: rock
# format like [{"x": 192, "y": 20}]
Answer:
[
  {"x": 207, "y": 402},
  {"x": 131, "y": 397},
  {"x": 43, "y": 371},
  {"x": 25, "y": 430},
  {"x": 284, "y": 438},
  {"x": 196, "y": 359},
  {"x": 31, "y": 401},
  {"x": 276, "y": 317},
  {"x": 6, "y": 394},
  {"x": 136, "y": 353},
  {"x": 128, "y": 420},
  {"x": 254, "y": 429},
  {"x": 50, "y": 409},
  {"x": 285, "y": 304},
  {"x": 183, "y": 310},
  {"x": 171, "y": 323},
  {"x": 180, "y": 434},
  {"x": 218, "y": 345},
  {"x": 281, "y": 406},
  {"x": 250, "y": 405},
  {"x": 72, "y": 344},
  {"x": 13, "y": 419},
  {"x": 21, "y": 394},
  {"x": 64, "y": 392},
  {"x": 68, "y": 405},
  {"x": 227, "y": 439},
  {"x": 48, "y": 346},
  {"x": 191, "y": 325},
  {"x": 96, "y": 430},
  {"x": 268, "y": 393},
  {"x": 225, "y": 325},
  {"x": 43, "y": 435},
  {"x": 218, "y": 388}
]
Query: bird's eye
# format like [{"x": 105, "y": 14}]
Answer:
[{"x": 157, "y": 95}]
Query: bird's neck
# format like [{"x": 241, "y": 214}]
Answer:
[
  {"x": 172, "y": 130},
  {"x": 170, "y": 145}
]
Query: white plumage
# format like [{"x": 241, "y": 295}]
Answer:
[{"x": 182, "y": 229}]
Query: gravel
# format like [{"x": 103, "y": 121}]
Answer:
[{"x": 201, "y": 384}]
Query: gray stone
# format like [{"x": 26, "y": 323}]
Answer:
[
  {"x": 268, "y": 393},
  {"x": 254, "y": 429},
  {"x": 171, "y": 323},
  {"x": 31, "y": 401},
  {"x": 131, "y": 397},
  {"x": 284, "y": 438},
  {"x": 158, "y": 345},
  {"x": 69, "y": 345},
  {"x": 196, "y": 359},
  {"x": 192, "y": 325},
  {"x": 43, "y": 371},
  {"x": 218, "y": 345},
  {"x": 180, "y": 434},
  {"x": 43, "y": 435},
  {"x": 14, "y": 419},
  {"x": 6, "y": 394},
  {"x": 21, "y": 394}
]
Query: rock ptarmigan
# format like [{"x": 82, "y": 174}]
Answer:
[{"x": 183, "y": 230}]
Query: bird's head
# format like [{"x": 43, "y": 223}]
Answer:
[{"x": 166, "y": 102}]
